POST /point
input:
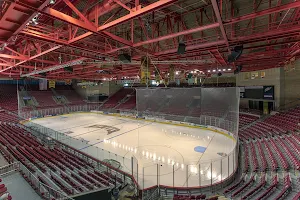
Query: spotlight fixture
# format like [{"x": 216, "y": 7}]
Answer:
[
  {"x": 52, "y": 2},
  {"x": 208, "y": 70},
  {"x": 214, "y": 70},
  {"x": 35, "y": 20},
  {"x": 3, "y": 46},
  {"x": 224, "y": 70}
]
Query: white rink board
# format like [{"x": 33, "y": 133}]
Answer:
[{"x": 158, "y": 141}]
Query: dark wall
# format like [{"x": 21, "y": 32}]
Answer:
[{"x": 103, "y": 195}]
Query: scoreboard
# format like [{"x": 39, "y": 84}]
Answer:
[{"x": 257, "y": 92}]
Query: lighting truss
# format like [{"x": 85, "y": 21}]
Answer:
[
  {"x": 55, "y": 67},
  {"x": 161, "y": 62}
]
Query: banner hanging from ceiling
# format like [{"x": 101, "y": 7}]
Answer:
[
  {"x": 43, "y": 84},
  {"x": 172, "y": 74},
  {"x": 68, "y": 82},
  {"x": 145, "y": 73},
  {"x": 51, "y": 83}
]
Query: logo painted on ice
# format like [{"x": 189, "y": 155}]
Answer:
[{"x": 109, "y": 129}]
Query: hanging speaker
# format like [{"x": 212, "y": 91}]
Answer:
[
  {"x": 230, "y": 58},
  {"x": 125, "y": 58},
  {"x": 235, "y": 54},
  {"x": 239, "y": 51},
  {"x": 68, "y": 69},
  {"x": 181, "y": 48},
  {"x": 219, "y": 74}
]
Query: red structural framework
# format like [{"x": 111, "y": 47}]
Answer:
[{"x": 46, "y": 36}]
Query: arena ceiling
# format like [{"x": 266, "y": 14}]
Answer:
[{"x": 41, "y": 38}]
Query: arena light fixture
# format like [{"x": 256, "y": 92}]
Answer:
[
  {"x": 208, "y": 71},
  {"x": 219, "y": 70},
  {"x": 224, "y": 70},
  {"x": 3, "y": 46},
  {"x": 35, "y": 22},
  {"x": 214, "y": 70},
  {"x": 229, "y": 69},
  {"x": 52, "y": 2}
]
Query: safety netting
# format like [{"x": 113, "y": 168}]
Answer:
[{"x": 218, "y": 107}]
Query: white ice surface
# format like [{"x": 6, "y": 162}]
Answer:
[{"x": 158, "y": 141}]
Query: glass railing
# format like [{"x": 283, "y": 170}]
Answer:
[{"x": 198, "y": 174}]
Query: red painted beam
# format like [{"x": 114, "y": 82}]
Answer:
[
  {"x": 68, "y": 19},
  {"x": 123, "y": 5},
  {"x": 173, "y": 35},
  {"x": 219, "y": 19},
  {"x": 132, "y": 15},
  {"x": 33, "y": 57},
  {"x": 268, "y": 34},
  {"x": 154, "y": 6},
  {"x": 20, "y": 28},
  {"x": 263, "y": 12},
  {"x": 105, "y": 7},
  {"x": 74, "y": 9},
  {"x": 191, "y": 47},
  {"x": 43, "y": 37},
  {"x": 12, "y": 57}
]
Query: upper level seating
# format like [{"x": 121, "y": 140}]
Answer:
[
  {"x": 246, "y": 119},
  {"x": 129, "y": 104},
  {"x": 274, "y": 125},
  {"x": 8, "y": 97},
  {"x": 117, "y": 97},
  {"x": 250, "y": 111},
  {"x": 44, "y": 98},
  {"x": 72, "y": 96},
  {"x": 286, "y": 120}
]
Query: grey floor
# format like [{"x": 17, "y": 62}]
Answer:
[
  {"x": 18, "y": 188},
  {"x": 3, "y": 162}
]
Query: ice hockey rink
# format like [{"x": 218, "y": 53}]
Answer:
[{"x": 167, "y": 154}]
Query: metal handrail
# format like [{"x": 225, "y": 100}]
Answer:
[{"x": 7, "y": 169}]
